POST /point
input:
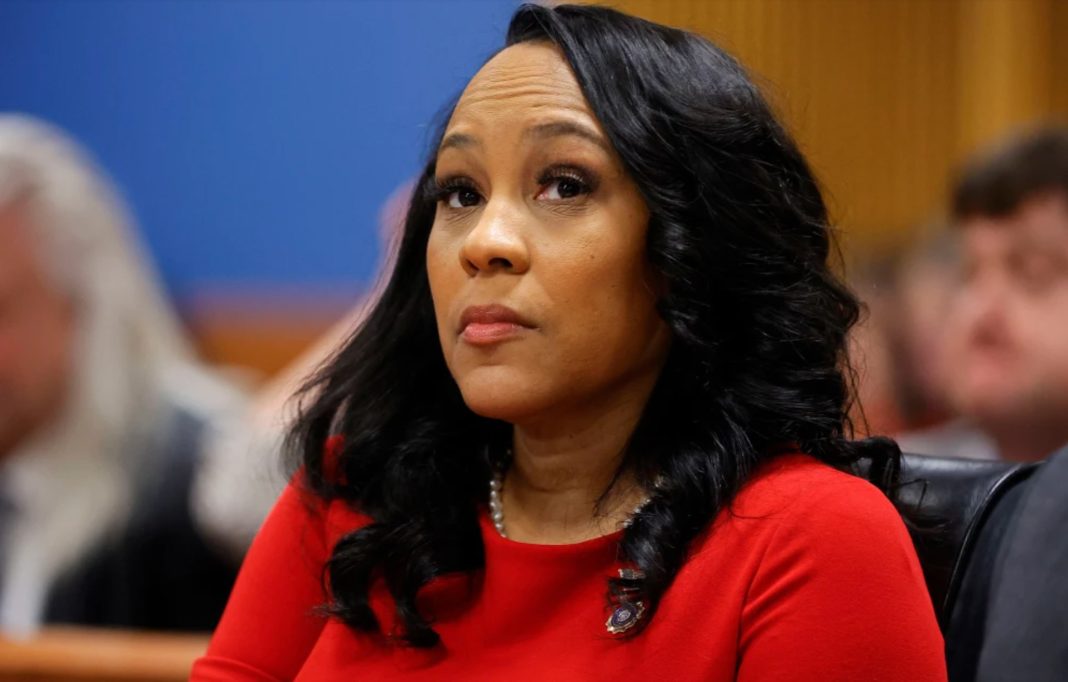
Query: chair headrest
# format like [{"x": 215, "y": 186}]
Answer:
[{"x": 944, "y": 502}]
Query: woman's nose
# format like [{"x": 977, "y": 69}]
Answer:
[{"x": 497, "y": 242}]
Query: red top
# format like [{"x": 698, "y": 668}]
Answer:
[{"x": 811, "y": 576}]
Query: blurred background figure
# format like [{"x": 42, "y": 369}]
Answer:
[
  {"x": 922, "y": 285},
  {"x": 103, "y": 408},
  {"x": 1004, "y": 343}
]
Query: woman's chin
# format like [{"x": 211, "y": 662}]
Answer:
[{"x": 506, "y": 402}]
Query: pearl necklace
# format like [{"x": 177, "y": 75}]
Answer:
[
  {"x": 497, "y": 509},
  {"x": 629, "y": 610}
]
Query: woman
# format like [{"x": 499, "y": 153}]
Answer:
[{"x": 593, "y": 428}]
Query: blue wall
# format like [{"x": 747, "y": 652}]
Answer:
[{"x": 255, "y": 140}]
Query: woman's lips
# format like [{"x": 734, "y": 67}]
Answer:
[
  {"x": 481, "y": 334},
  {"x": 489, "y": 324}
]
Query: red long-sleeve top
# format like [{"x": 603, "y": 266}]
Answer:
[{"x": 809, "y": 576}]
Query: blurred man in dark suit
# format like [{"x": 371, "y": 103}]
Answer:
[{"x": 1026, "y": 630}]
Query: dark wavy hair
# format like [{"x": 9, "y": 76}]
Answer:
[
  {"x": 739, "y": 232},
  {"x": 996, "y": 183}
]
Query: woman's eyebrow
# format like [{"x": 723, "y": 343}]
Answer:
[
  {"x": 541, "y": 131},
  {"x": 549, "y": 129},
  {"x": 458, "y": 140}
]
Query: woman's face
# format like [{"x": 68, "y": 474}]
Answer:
[{"x": 543, "y": 296}]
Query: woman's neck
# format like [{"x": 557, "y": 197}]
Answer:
[{"x": 561, "y": 470}]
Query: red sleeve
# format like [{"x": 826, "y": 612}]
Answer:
[
  {"x": 839, "y": 595},
  {"x": 269, "y": 626}
]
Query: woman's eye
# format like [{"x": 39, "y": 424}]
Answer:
[
  {"x": 465, "y": 197},
  {"x": 563, "y": 188}
]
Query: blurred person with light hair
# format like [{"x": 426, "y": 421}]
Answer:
[
  {"x": 1006, "y": 330},
  {"x": 103, "y": 406}
]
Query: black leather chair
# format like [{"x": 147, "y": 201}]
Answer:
[{"x": 948, "y": 505}]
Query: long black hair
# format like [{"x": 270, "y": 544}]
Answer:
[{"x": 740, "y": 234}]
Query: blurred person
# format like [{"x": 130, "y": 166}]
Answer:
[
  {"x": 1013, "y": 599},
  {"x": 925, "y": 286},
  {"x": 1026, "y": 619},
  {"x": 1006, "y": 330},
  {"x": 595, "y": 427},
  {"x": 103, "y": 405}
]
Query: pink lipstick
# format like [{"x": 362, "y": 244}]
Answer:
[{"x": 488, "y": 324}]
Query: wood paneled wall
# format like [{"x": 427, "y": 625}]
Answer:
[{"x": 887, "y": 96}]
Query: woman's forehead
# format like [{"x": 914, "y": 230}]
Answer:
[{"x": 527, "y": 80}]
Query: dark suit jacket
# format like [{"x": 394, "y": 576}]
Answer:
[
  {"x": 1012, "y": 620},
  {"x": 158, "y": 572}
]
